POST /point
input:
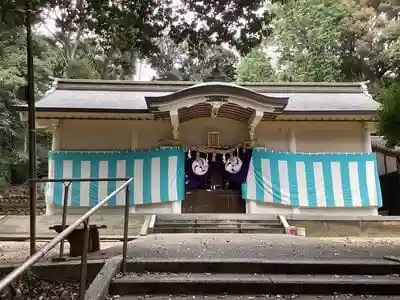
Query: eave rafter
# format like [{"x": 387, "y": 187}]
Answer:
[{"x": 216, "y": 99}]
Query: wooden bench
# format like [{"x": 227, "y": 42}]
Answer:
[{"x": 76, "y": 238}]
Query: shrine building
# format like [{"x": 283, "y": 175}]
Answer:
[{"x": 214, "y": 147}]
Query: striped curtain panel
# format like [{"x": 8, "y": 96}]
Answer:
[
  {"x": 158, "y": 176},
  {"x": 314, "y": 179}
]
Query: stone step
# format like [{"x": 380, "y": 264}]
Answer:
[
  {"x": 244, "y": 224},
  {"x": 224, "y": 229},
  {"x": 199, "y": 217},
  {"x": 215, "y": 221},
  {"x": 191, "y": 223},
  {"x": 264, "y": 266},
  {"x": 200, "y": 283}
]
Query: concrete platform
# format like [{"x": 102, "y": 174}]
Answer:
[
  {"x": 20, "y": 224},
  {"x": 249, "y": 246}
]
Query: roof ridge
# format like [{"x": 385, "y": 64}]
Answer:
[
  {"x": 188, "y": 83},
  {"x": 174, "y": 86}
]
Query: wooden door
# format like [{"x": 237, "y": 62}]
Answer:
[
  {"x": 217, "y": 201},
  {"x": 214, "y": 197}
]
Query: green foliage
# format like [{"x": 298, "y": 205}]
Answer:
[
  {"x": 13, "y": 72},
  {"x": 327, "y": 40},
  {"x": 389, "y": 114},
  {"x": 176, "y": 62},
  {"x": 307, "y": 36},
  {"x": 255, "y": 67},
  {"x": 370, "y": 40},
  {"x": 135, "y": 24}
]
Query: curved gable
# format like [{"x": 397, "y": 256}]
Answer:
[{"x": 222, "y": 90}]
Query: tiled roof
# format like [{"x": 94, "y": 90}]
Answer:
[
  {"x": 100, "y": 95},
  {"x": 379, "y": 145}
]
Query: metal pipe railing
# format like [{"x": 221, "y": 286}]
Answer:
[
  {"x": 16, "y": 273},
  {"x": 67, "y": 184}
]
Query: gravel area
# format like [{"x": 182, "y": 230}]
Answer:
[
  {"x": 252, "y": 297},
  {"x": 32, "y": 288},
  {"x": 247, "y": 246}
]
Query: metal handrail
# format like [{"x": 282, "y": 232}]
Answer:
[
  {"x": 15, "y": 274},
  {"x": 67, "y": 184}
]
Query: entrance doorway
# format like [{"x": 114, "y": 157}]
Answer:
[{"x": 215, "y": 194}]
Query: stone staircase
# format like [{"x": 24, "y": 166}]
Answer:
[
  {"x": 166, "y": 279},
  {"x": 218, "y": 223}
]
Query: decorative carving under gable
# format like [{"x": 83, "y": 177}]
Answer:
[{"x": 216, "y": 103}]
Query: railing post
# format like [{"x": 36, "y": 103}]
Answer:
[
  {"x": 126, "y": 225},
  {"x": 64, "y": 215},
  {"x": 83, "y": 281}
]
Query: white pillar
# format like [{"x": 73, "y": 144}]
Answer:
[
  {"x": 176, "y": 207},
  {"x": 55, "y": 142},
  {"x": 293, "y": 148},
  {"x": 55, "y": 146},
  {"x": 251, "y": 206},
  {"x": 367, "y": 138},
  {"x": 134, "y": 145},
  {"x": 292, "y": 140}
]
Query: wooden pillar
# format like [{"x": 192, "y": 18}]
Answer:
[{"x": 385, "y": 162}]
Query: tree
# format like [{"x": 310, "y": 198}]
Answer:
[
  {"x": 255, "y": 67},
  {"x": 135, "y": 24},
  {"x": 307, "y": 36},
  {"x": 389, "y": 114},
  {"x": 371, "y": 40},
  {"x": 127, "y": 29},
  {"x": 325, "y": 40},
  {"x": 12, "y": 89},
  {"x": 177, "y": 62},
  {"x": 82, "y": 53}
]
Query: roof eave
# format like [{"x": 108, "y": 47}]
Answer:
[
  {"x": 85, "y": 110},
  {"x": 331, "y": 112}
]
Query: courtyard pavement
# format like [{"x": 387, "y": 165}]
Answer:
[{"x": 250, "y": 246}]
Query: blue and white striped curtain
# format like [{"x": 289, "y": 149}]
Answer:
[
  {"x": 313, "y": 180},
  {"x": 158, "y": 176}
]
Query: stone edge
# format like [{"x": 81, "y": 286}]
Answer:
[
  {"x": 148, "y": 225},
  {"x": 99, "y": 288}
]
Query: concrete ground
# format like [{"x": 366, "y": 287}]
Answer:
[
  {"x": 344, "y": 228},
  {"x": 114, "y": 222},
  {"x": 253, "y": 246},
  {"x": 11, "y": 252},
  {"x": 17, "y": 252}
]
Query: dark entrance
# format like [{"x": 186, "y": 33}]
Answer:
[{"x": 215, "y": 194}]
